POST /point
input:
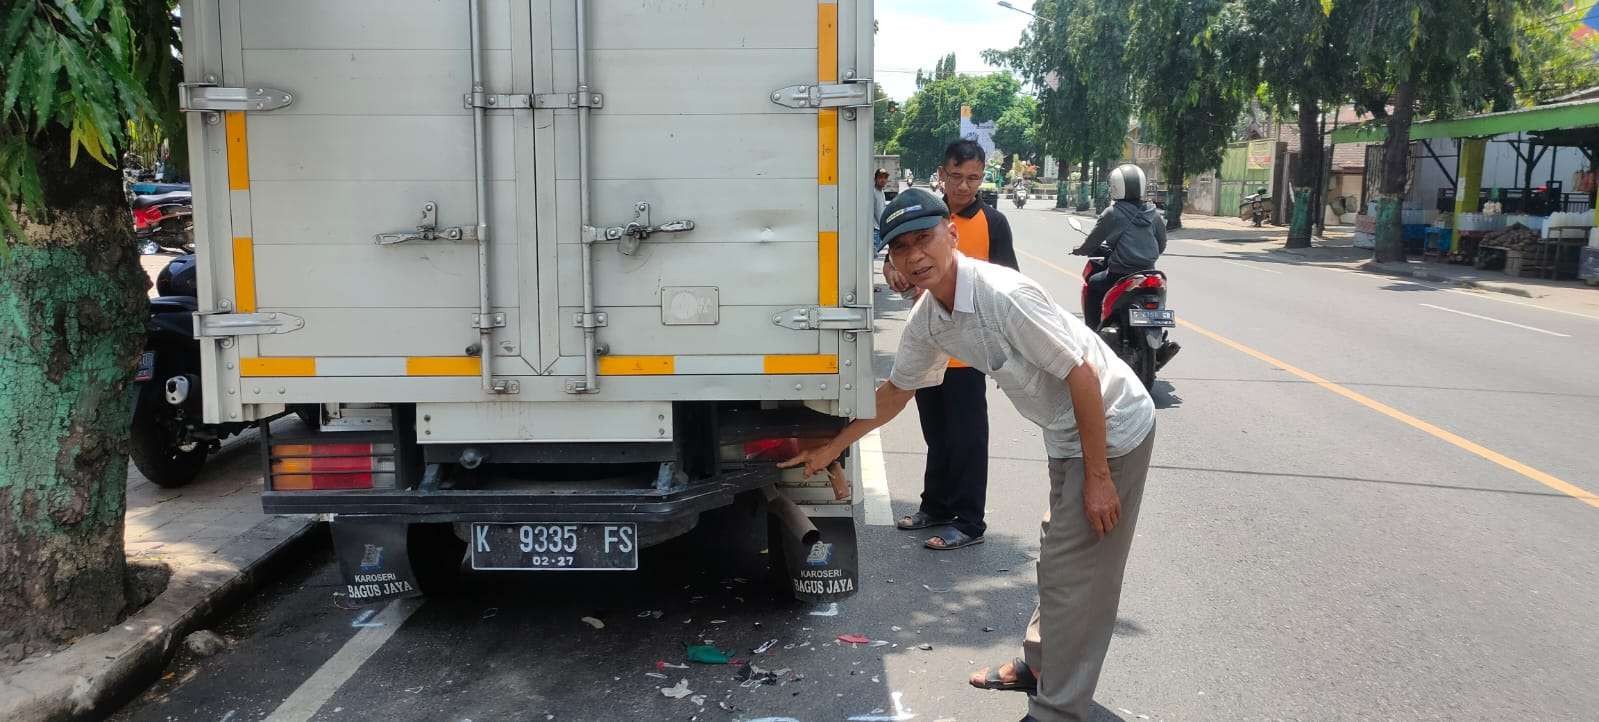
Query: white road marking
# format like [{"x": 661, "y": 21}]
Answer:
[
  {"x": 874, "y": 479},
  {"x": 315, "y": 692},
  {"x": 1495, "y": 320},
  {"x": 1482, "y": 295},
  {"x": 1251, "y": 267}
]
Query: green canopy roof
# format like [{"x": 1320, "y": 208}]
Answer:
[{"x": 1559, "y": 116}]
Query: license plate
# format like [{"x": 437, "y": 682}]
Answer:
[
  {"x": 146, "y": 367},
  {"x": 556, "y": 546},
  {"x": 1147, "y": 317}
]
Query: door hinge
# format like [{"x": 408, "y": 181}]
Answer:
[
  {"x": 825, "y": 318},
  {"x": 218, "y": 325},
  {"x": 211, "y": 98},
  {"x": 428, "y": 230},
  {"x": 856, "y": 94}
]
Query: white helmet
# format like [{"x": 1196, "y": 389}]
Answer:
[{"x": 1127, "y": 183}]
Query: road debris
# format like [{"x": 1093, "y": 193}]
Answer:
[
  {"x": 718, "y": 621},
  {"x": 935, "y": 591},
  {"x": 895, "y": 628},
  {"x": 490, "y": 613},
  {"x": 706, "y": 654},
  {"x": 595, "y": 623},
  {"x": 878, "y": 715},
  {"x": 765, "y": 646},
  {"x": 854, "y": 638},
  {"x": 663, "y": 664},
  {"x": 205, "y": 643},
  {"x": 925, "y": 647},
  {"x": 651, "y": 613},
  {"x": 988, "y": 629},
  {"x": 827, "y": 610},
  {"x": 698, "y": 699},
  {"x": 677, "y": 691},
  {"x": 656, "y": 675}
]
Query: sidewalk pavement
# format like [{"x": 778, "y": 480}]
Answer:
[
  {"x": 219, "y": 547},
  {"x": 1337, "y": 250}
]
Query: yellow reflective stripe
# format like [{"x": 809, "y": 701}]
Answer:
[
  {"x": 827, "y": 146},
  {"x": 443, "y": 365},
  {"x": 637, "y": 365},
  {"x": 827, "y": 42},
  {"x": 802, "y": 364},
  {"x": 238, "y": 151},
  {"x": 244, "y": 274},
  {"x": 827, "y": 268},
  {"x": 282, "y": 366}
]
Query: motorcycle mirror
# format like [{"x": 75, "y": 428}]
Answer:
[{"x": 1075, "y": 225}]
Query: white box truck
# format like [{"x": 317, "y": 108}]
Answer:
[{"x": 557, "y": 279}]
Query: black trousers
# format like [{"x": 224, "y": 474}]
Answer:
[
  {"x": 1094, "y": 302},
  {"x": 955, "y": 426}
]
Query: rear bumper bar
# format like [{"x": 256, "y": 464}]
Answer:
[{"x": 416, "y": 506}]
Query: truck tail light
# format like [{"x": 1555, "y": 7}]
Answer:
[
  {"x": 303, "y": 465},
  {"x": 771, "y": 449}
]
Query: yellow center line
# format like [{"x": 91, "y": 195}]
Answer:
[{"x": 1542, "y": 477}]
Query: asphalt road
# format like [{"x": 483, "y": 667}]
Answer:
[{"x": 1361, "y": 507}]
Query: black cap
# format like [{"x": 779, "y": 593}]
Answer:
[{"x": 916, "y": 209}]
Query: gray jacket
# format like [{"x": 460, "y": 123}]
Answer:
[{"x": 1130, "y": 237}]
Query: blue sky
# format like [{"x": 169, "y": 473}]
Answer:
[{"x": 914, "y": 34}]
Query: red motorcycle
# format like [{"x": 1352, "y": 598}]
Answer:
[{"x": 1134, "y": 319}]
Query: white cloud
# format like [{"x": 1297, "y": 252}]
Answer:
[{"x": 914, "y": 34}]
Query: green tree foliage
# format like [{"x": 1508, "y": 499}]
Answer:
[
  {"x": 1074, "y": 55},
  {"x": 1196, "y": 69},
  {"x": 1550, "y": 62},
  {"x": 1431, "y": 57},
  {"x": 932, "y": 114},
  {"x": 1016, "y": 131},
  {"x": 887, "y": 117},
  {"x": 1305, "y": 64}
]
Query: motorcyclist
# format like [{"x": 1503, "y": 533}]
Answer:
[{"x": 1130, "y": 234}]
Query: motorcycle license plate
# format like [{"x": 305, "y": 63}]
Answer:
[
  {"x": 1148, "y": 317},
  {"x": 559, "y": 546},
  {"x": 146, "y": 367}
]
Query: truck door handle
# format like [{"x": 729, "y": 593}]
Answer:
[{"x": 629, "y": 237}]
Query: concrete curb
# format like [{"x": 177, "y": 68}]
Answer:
[
  {"x": 97, "y": 674},
  {"x": 1425, "y": 275}
]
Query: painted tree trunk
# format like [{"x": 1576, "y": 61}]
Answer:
[
  {"x": 1102, "y": 186},
  {"x": 1306, "y": 175},
  {"x": 1174, "y": 196},
  {"x": 72, "y": 295},
  {"x": 1395, "y": 175},
  {"x": 1084, "y": 184}
]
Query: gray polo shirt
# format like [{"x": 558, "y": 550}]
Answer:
[{"x": 1004, "y": 325}]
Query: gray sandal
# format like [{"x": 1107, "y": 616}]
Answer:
[
  {"x": 918, "y": 520},
  {"x": 953, "y": 539}
]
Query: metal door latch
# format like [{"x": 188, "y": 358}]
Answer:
[
  {"x": 222, "y": 325},
  {"x": 856, "y": 94},
  {"x": 428, "y": 230},
  {"x": 824, "y": 318},
  {"x": 630, "y": 235}
]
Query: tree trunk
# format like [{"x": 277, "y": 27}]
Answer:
[
  {"x": 1102, "y": 197},
  {"x": 1084, "y": 186},
  {"x": 1306, "y": 175},
  {"x": 73, "y": 296},
  {"x": 1174, "y": 196},
  {"x": 1395, "y": 172}
]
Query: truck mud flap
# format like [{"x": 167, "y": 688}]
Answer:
[
  {"x": 828, "y": 570},
  {"x": 375, "y": 560}
]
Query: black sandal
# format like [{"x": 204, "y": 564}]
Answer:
[
  {"x": 919, "y": 521},
  {"x": 1024, "y": 682}
]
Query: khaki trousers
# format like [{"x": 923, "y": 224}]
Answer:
[{"x": 1079, "y": 586}]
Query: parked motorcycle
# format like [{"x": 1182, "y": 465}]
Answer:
[
  {"x": 1134, "y": 318},
  {"x": 164, "y": 220},
  {"x": 1259, "y": 211},
  {"x": 170, "y": 437}
]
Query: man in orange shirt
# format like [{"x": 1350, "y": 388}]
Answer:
[{"x": 954, "y": 414}]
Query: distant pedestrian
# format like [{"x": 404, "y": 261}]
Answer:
[
  {"x": 879, "y": 199},
  {"x": 954, "y": 414}
]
